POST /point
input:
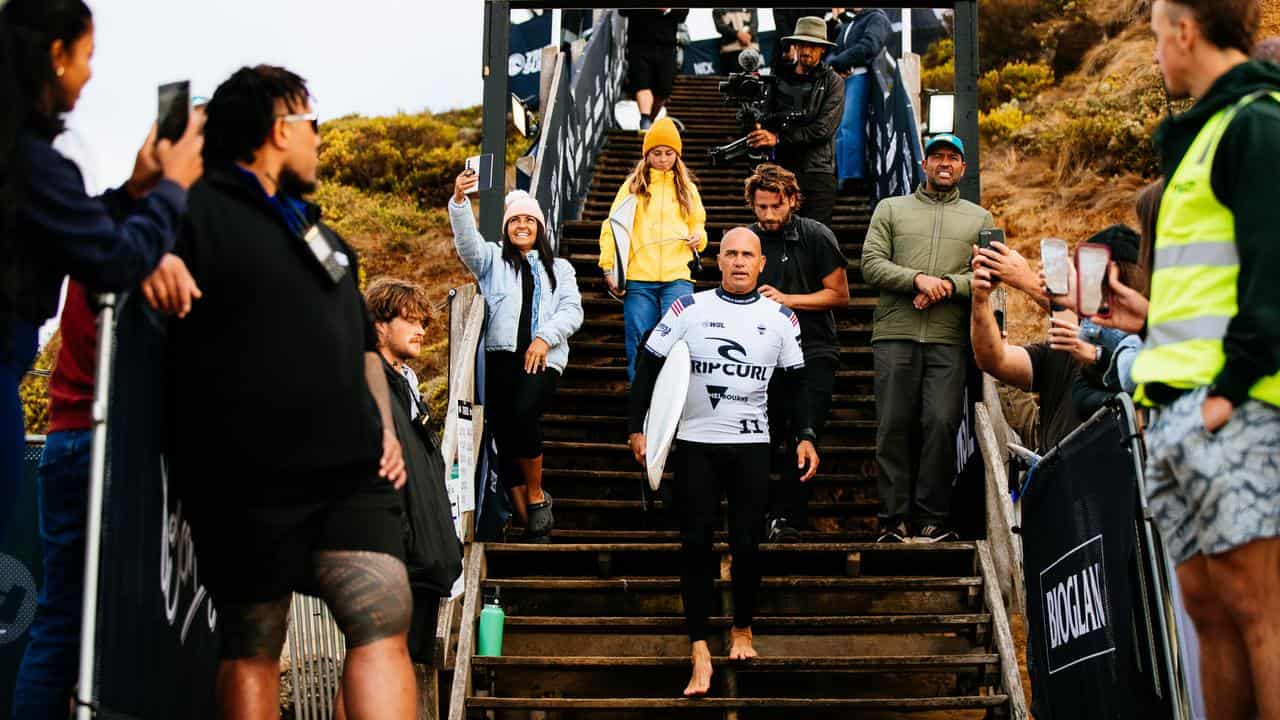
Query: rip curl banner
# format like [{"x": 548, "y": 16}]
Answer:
[
  {"x": 157, "y": 644},
  {"x": 1097, "y": 645},
  {"x": 524, "y": 59}
]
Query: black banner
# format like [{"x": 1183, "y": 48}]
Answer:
[
  {"x": 574, "y": 127},
  {"x": 21, "y": 575},
  {"x": 157, "y": 629},
  {"x": 893, "y": 140},
  {"x": 1094, "y": 639},
  {"x": 702, "y": 57},
  {"x": 524, "y": 61}
]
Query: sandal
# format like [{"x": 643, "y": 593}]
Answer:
[{"x": 541, "y": 521}]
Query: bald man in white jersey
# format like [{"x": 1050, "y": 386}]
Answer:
[{"x": 737, "y": 340}]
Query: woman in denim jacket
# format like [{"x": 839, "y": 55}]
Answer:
[{"x": 533, "y": 307}]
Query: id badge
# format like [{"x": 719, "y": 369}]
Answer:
[{"x": 334, "y": 261}]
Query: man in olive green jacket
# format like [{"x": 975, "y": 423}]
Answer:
[{"x": 917, "y": 253}]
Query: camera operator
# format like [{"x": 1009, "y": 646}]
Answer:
[{"x": 808, "y": 147}]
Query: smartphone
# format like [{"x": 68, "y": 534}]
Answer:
[
  {"x": 174, "y": 110},
  {"x": 1094, "y": 292},
  {"x": 1053, "y": 254},
  {"x": 482, "y": 165},
  {"x": 998, "y": 304},
  {"x": 986, "y": 237}
]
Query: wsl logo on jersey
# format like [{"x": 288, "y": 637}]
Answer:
[{"x": 736, "y": 365}]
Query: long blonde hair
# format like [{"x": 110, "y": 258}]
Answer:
[{"x": 684, "y": 179}]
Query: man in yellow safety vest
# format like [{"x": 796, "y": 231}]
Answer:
[{"x": 1211, "y": 362}]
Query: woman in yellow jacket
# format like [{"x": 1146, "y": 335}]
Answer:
[{"x": 655, "y": 229}]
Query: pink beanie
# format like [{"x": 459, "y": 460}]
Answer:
[{"x": 520, "y": 202}]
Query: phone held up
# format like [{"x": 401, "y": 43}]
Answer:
[
  {"x": 174, "y": 110},
  {"x": 481, "y": 165},
  {"x": 1053, "y": 255},
  {"x": 988, "y": 236},
  {"x": 1093, "y": 295}
]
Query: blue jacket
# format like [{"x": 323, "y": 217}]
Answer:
[
  {"x": 109, "y": 244},
  {"x": 557, "y": 314},
  {"x": 859, "y": 42}
]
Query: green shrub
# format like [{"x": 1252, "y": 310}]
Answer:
[
  {"x": 1023, "y": 81},
  {"x": 1003, "y": 122},
  {"x": 34, "y": 389}
]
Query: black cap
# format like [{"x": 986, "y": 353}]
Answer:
[{"x": 1122, "y": 240}]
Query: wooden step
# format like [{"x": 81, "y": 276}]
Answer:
[
  {"x": 815, "y": 507},
  {"x": 763, "y": 625},
  {"x": 801, "y": 547},
  {"x": 776, "y": 664},
  {"x": 811, "y": 584},
  {"x": 718, "y": 703}
]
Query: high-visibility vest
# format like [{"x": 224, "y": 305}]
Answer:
[{"x": 1193, "y": 286}]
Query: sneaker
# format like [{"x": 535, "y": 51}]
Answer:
[
  {"x": 781, "y": 532},
  {"x": 932, "y": 532},
  {"x": 892, "y": 531}
]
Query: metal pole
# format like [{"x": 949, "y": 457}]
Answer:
[
  {"x": 497, "y": 29},
  {"x": 966, "y": 36},
  {"x": 97, "y": 487}
]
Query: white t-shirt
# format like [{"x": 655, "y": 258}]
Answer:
[{"x": 734, "y": 345}]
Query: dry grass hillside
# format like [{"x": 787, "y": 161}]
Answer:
[{"x": 1069, "y": 161}]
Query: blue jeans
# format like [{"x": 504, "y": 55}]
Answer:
[
  {"x": 851, "y": 136},
  {"x": 51, "y": 661},
  {"x": 643, "y": 306},
  {"x": 17, "y": 349}
]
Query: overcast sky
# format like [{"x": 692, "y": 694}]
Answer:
[{"x": 373, "y": 57}]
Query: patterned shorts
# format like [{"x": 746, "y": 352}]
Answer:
[{"x": 1211, "y": 493}]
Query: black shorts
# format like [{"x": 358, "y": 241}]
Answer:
[
  {"x": 256, "y": 544},
  {"x": 651, "y": 68},
  {"x": 515, "y": 402}
]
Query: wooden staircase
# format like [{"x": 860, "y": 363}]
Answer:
[{"x": 846, "y": 628}]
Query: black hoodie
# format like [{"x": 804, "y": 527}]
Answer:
[{"x": 1244, "y": 180}]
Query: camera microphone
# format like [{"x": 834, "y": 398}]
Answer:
[{"x": 750, "y": 60}]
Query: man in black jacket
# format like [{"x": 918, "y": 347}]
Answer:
[
  {"x": 399, "y": 311},
  {"x": 282, "y": 445},
  {"x": 808, "y": 148},
  {"x": 651, "y": 57},
  {"x": 806, "y": 272}
]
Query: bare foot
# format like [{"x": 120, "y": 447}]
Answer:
[
  {"x": 700, "y": 682},
  {"x": 741, "y": 648}
]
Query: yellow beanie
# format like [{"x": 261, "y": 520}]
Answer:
[{"x": 663, "y": 132}]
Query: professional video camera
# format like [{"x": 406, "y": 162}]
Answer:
[{"x": 751, "y": 92}]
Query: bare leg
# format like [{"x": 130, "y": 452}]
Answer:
[
  {"x": 249, "y": 689},
  {"x": 644, "y": 99},
  {"x": 1247, "y": 579},
  {"x": 369, "y": 595},
  {"x": 741, "y": 648},
  {"x": 520, "y": 503},
  {"x": 531, "y": 469},
  {"x": 248, "y": 681},
  {"x": 1224, "y": 663},
  {"x": 700, "y": 681},
  {"x": 379, "y": 682}
]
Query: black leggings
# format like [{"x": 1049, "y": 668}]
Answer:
[
  {"x": 514, "y": 403},
  {"x": 703, "y": 473}
]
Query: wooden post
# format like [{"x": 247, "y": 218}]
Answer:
[
  {"x": 475, "y": 573},
  {"x": 1003, "y": 636}
]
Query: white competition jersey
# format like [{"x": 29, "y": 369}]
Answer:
[{"x": 734, "y": 345}]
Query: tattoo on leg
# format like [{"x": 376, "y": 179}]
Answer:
[
  {"x": 368, "y": 594},
  {"x": 254, "y": 630}
]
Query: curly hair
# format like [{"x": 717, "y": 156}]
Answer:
[
  {"x": 389, "y": 298},
  {"x": 242, "y": 111},
  {"x": 771, "y": 178}
]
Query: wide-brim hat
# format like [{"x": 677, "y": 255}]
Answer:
[{"x": 812, "y": 30}]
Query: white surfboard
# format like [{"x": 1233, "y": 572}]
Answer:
[
  {"x": 665, "y": 411},
  {"x": 620, "y": 222}
]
